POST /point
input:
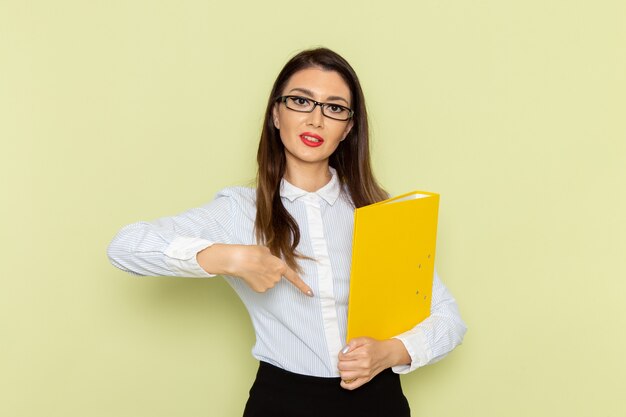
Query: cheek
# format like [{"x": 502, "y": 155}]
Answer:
[
  {"x": 283, "y": 135},
  {"x": 285, "y": 130},
  {"x": 339, "y": 134},
  {"x": 287, "y": 135},
  {"x": 289, "y": 125}
]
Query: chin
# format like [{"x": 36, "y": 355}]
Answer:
[{"x": 307, "y": 158}]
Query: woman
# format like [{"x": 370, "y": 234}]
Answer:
[{"x": 285, "y": 249}]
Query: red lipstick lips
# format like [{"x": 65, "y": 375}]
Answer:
[{"x": 311, "y": 139}]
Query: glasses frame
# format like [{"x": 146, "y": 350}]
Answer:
[{"x": 283, "y": 99}]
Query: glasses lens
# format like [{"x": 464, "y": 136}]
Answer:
[
  {"x": 335, "y": 111},
  {"x": 299, "y": 103}
]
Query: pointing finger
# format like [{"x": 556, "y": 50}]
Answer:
[{"x": 295, "y": 279}]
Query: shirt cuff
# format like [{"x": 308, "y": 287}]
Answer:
[
  {"x": 181, "y": 257},
  {"x": 414, "y": 341}
]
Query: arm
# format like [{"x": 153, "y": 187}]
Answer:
[
  {"x": 429, "y": 341},
  {"x": 436, "y": 336},
  {"x": 185, "y": 245},
  {"x": 254, "y": 264},
  {"x": 168, "y": 246}
]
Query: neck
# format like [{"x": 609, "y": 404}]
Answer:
[{"x": 308, "y": 177}]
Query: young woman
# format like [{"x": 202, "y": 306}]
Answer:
[{"x": 285, "y": 249}]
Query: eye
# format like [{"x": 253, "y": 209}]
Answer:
[
  {"x": 300, "y": 101},
  {"x": 334, "y": 108}
]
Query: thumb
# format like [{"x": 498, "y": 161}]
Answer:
[
  {"x": 353, "y": 344},
  {"x": 295, "y": 279}
]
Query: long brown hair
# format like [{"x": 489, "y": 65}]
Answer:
[{"x": 274, "y": 226}]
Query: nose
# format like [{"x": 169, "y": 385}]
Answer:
[{"x": 316, "y": 117}]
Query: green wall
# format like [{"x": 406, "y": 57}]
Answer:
[{"x": 117, "y": 111}]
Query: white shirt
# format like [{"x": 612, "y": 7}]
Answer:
[{"x": 294, "y": 332}]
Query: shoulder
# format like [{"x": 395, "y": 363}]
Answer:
[
  {"x": 234, "y": 199},
  {"x": 244, "y": 195}
]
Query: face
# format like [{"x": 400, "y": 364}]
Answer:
[{"x": 311, "y": 138}]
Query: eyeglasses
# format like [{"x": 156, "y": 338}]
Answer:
[{"x": 307, "y": 105}]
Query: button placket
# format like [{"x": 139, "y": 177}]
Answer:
[{"x": 326, "y": 290}]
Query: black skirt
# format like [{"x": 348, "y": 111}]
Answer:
[{"x": 279, "y": 393}]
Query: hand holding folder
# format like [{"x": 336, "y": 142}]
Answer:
[{"x": 393, "y": 259}]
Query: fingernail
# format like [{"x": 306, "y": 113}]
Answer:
[
  {"x": 346, "y": 349},
  {"x": 309, "y": 293}
]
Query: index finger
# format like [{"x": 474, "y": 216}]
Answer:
[{"x": 295, "y": 279}]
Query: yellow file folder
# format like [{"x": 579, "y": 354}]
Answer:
[{"x": 393, "y": 262}]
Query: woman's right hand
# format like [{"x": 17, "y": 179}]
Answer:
[{"x": 254, "y": 264}]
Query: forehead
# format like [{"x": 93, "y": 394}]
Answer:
[{"x": 322, "y": 83}]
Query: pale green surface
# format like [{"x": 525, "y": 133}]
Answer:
[{"x": 118, "y": 111}]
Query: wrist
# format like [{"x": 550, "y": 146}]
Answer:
[
  {"x": 216, "y": 259},
  {"x": 398, "y": 355}
]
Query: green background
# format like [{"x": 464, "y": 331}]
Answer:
[{"x": 117, "y": 111}]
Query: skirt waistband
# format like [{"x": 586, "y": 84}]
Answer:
[{"x": 270, "y": 370}]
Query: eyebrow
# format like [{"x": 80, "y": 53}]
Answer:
[{"x": 310, "y": 93}]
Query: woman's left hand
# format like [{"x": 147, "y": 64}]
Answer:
[{"x": 366, "y": 357}]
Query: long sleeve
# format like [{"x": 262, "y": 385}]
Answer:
[
  {"x": 168, "y": 246},
  {"x": 432, "y": 339}
]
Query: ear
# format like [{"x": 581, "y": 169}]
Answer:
[
  {"x": 347, "y": 129},
  {"x": 275, "y": 116}
]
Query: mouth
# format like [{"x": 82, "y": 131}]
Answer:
[{"x": 311, "y": 139}]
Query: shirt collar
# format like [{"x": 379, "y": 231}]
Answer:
[{"x": 329, "y": 192}]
